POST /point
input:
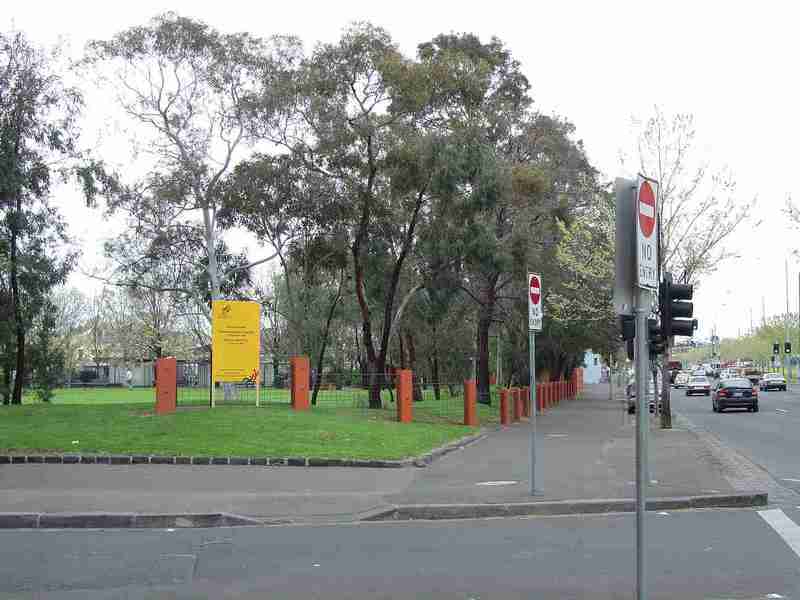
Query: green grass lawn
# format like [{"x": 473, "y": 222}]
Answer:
[
  {"x": 275, "y": 430},
  {"x": 120, "y": 421}
]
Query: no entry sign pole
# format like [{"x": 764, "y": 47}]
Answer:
[
  {"x": 642, "y": 425},
  {"x": 646, "y": 280},
  {"x": 534, "y": 325}
]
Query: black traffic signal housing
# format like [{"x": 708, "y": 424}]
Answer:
[
  {"x": 656, "y": 340},
  {"x": 675, "y": 308},
  {"x": 776, "y": 348},
  {"x": 627, "y": 326},
  {"x": 787, "y": 347}
]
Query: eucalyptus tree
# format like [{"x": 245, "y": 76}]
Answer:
[
  {"x": 355, "y": 115},
  {"x": 185, "y": 86},
  {"x": 38, "y": 141},
  {"x": 699, "y": 209}
]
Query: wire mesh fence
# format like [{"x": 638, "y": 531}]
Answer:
[{"x": 338, "y": 392}]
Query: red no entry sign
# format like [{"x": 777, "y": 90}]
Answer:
[
  {"x": 647, "y": 209},
  {"x": 535, "y": 290}
]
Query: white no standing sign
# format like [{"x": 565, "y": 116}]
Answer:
[{"x": 534, "y": 302}]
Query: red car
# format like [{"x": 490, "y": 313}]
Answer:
[{"x": 735, "y": 393}]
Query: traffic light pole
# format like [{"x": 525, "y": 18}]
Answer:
[{"x": 642, "y": 425}]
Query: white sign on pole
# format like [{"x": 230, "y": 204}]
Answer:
[
  {"x": 647, "y": 233},
  {"x": 534, "y": 302}
]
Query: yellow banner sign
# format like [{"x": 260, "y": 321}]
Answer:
[{"x": 235, "y": 340}]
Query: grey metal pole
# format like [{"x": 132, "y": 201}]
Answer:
[
  {"x": 532, "y": 359},
  {"x": 787, "y": 372},
  {"x": 642, "y": 425}
]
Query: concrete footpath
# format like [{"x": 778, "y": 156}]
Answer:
[{"x": 586, "y": 464}]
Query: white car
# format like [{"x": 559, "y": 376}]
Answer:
[
  {"x": 772, "y": 381},
  {"x": 698, "y": 385},
  {"x": 681, "y": 379}
]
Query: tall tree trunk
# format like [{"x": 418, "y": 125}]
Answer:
[
  {"x": 485, "y": 313},
  {"x": 324, "y": 344},
  {"x": 412, "y": 364},
  {"x": 402, "y": 349},
  {"x": 7, "y": 382},
  {"x": 666, "y": 408},
  {"x": 435, "y": 366},
  {"x": 19, "y": 329}
]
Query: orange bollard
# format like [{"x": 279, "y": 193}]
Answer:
[
  {"x": 166, "y": 386},
  {"x": 504, "y": 416},
  {"x": 404, "y": 414},
  {"x": 470, "y": 406},
  {"x": 300, "y": 372},
  {"x": 516, "y": 394}
]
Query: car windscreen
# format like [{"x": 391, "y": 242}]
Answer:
[
  {"x": 699, "y": 380},
  {"x": 737, "y": 383},
  {"x": 773, "y": 376}
]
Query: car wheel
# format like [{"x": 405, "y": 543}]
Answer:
[
  {"x": 631, "y": 409},
  {"x": 708, "y": 393},
  {"x": 784, "y": 388}
]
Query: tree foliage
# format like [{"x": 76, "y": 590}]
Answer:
[{"x": 38, "y": 126}]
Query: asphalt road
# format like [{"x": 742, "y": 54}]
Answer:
[
  {"x": 698, "y": 554},
  {"x": 769, "y": 438}
]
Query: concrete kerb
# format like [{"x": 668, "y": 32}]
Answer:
[
  {"x": 121, "y": 520},
  {"x": 292, "y": 461},
  {"x": 434, "y": 512},
  {"x": 421, "y": 512}
]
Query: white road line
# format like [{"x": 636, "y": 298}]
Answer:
[
  {"x": 792, "y": 480},
  {"x": 784, "y": 527},
  {"x": 780, "y": 410},
  {"x": 493, "y": 483}
]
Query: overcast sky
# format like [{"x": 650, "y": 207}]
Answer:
[{"x": 600, "y": 64}]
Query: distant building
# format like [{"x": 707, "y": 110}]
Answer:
[{"x": 592, "y": 367}]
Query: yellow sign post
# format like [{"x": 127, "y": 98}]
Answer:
[{"x": 236, "y": 342}]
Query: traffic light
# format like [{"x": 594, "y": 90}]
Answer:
[
  {"x": 675, "y": 308},
  {"x": 787, "y": 347},
  {"x": 776, "y": 348},
  {"x": 657, "y": 341},
  {"x": 627, "y": 327}
]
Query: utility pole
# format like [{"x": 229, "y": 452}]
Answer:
[{"x": 787, "y": 370}]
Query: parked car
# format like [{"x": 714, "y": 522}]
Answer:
[
  {"x": 698, "y": 385},
  {"x": 772, "y": 381},
  {"x": 735, "y": 393},
  {"x": 681, "y": 379}
]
